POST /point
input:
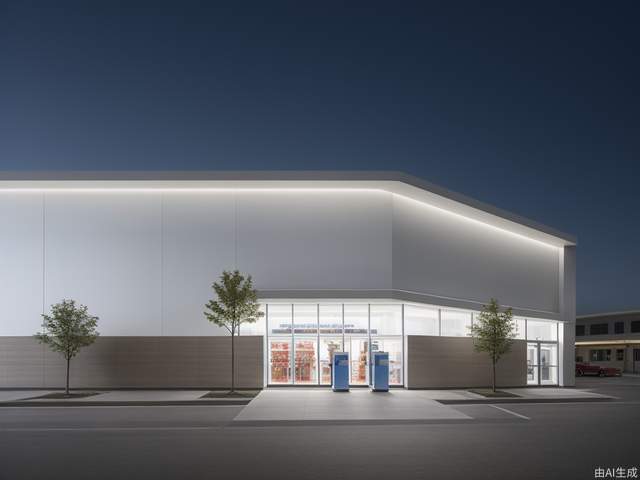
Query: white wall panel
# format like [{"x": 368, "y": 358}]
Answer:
[
  {"x": 315, "y": 240},
  {"x": 437, "y": 253},
  {"x": 198, "y": 243},
  {"x": 20, "y": 263},
  {"x": 144, "y": 262},
  {"x": 103, "y": 250}
]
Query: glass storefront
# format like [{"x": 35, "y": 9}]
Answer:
[
  {"x": 541, "y": 330},
  {"x": 279, "y": 319},
  {"x": 330, "y": 319},
  {"x": 455, "y": 323},
  {"x": 356, "y": 319},
  {"x": 301, "y": 339},
  {"x": 421, "y": 321},
  {"x": 386, "y": 320}
]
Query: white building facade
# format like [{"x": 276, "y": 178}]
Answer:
[{"x": 353, "y": 261}]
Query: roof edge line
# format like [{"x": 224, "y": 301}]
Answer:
[
  {"x": 608, "y": 314},
  {"x": 285, "y": 175}
]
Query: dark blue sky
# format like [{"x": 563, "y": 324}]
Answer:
[{"x": 534, "y": 109}]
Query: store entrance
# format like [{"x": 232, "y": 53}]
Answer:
[
  {"x": 542, "y": 363},
  {"x": 359, "y": 359},
  {"x": 306, "y": 360},
  {"x": 302, "y": 338},
  {"x": 328, "y": 345}
]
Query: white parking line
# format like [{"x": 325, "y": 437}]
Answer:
[
  {"x": 51, "y": 407},
  {"x": 107, "y": 429},
  {"x": 509, "y": 411}
]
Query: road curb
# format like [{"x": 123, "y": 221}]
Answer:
[
  {"x": 489, "y": 401},
  {"x": 140, "y": 403}
]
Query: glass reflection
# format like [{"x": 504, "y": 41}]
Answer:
[
  {"x": 548, "y": 364},
  {"x": 532, "y": 363},
  {"x": 305, "y": 319},
  {"x": 330, "y": 319},
  {"x": 359, "y": 359},
  {"x": 280, "y": 360},
  {"x": 279, "y": 319},
  {"x": 328, "y": 345},
  {"x": 356, "y": 319},
  {"x": 306, "y": 367},
  {"x": 393, "y": 346}
]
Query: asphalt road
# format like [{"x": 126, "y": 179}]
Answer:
[{"x": 537, "y": 441}]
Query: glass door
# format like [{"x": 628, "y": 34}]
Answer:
[
  {"x": 306, "y": 360},
  {"x": 393, "y": 346},
  {"x": 328, "y": 345},
  {"x": 359, "y": 356},
  {"x": 532, "y": 364},
  {"x": 542, "y": 363},
  {"x": 548, "y": 364},
  {"x": 280, "y": 360}
]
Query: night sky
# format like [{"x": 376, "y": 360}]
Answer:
[{"x": 532, "y": 108}]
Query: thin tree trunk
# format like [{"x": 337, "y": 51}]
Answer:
[
  {"x": 233, "y": 361},
  {"x": 67, "y": 385},
  {"x": 494, "y": 376}
]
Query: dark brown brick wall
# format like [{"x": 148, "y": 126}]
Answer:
[
  {"x": 135, "y": 362},
  {"x": 451, "y": 362}
]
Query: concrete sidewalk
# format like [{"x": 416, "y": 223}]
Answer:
[
  {"x": 355, "y": 404},
  {"x": 359, "y": 404},
  {"x": 524, "y": 395},
  {"x": 29, "y": 398}
]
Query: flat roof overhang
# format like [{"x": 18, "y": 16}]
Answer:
[
  {"x": 610, "y": 315},
  {"x": 607, "y": 342},
  {"x": 397, "y": 183}
]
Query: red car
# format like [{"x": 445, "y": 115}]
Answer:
[{"x": 588, "y": 369}]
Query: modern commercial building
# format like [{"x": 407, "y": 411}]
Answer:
[
  {"x": 353, "y": 261},
  {"x": 609, "y": 340}
]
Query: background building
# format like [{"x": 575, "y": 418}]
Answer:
[
  {"x": 609, "y": 340},
  {"x": 342, "y": 260}
]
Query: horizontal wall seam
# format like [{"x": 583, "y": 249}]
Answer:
[{"x": 396, "y": 294}]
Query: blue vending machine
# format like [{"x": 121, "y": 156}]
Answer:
[
  {"x": 380, "y": 372},
  {"x": 340, "y": 372}
]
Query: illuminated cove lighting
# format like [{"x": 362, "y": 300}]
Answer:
[{"x": 170, "y": 190}]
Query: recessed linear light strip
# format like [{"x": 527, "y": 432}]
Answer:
[
  {"x": 152, "y": 190},
  {"x": 477, "y": 222},
  {"x": 183, "y": 190}
]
